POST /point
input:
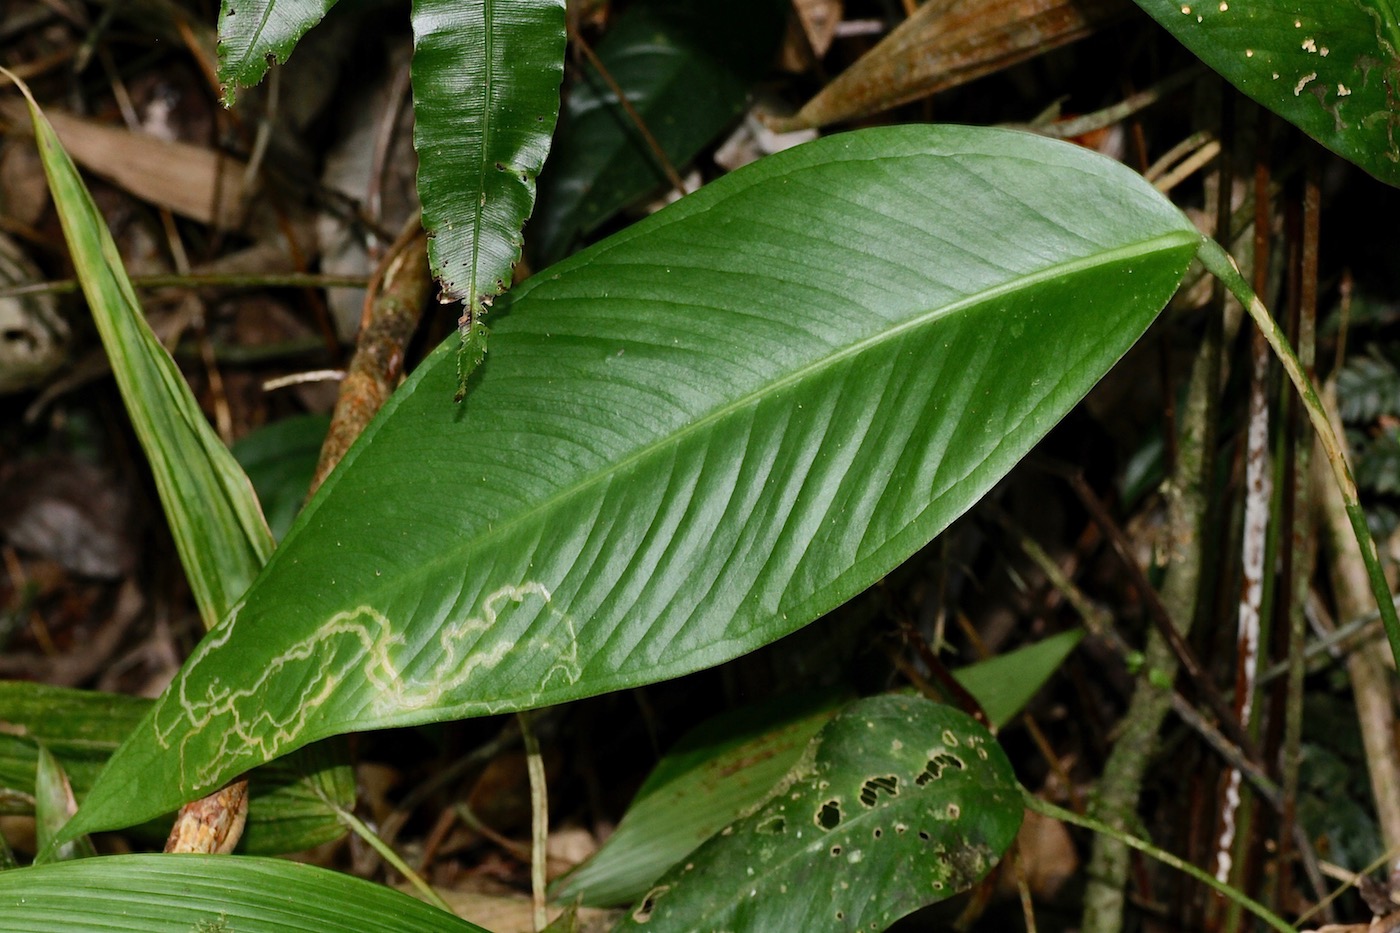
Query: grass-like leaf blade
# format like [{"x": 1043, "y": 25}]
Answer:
[
  {"x": 213, "y": 513},
  {"x": 206, "y": 894}
]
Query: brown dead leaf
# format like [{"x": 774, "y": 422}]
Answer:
[
  {"x": 193, "y": 181},
  {"x": 818, "y": 20},
  {"x": 211, "y": 825},
  {"x": 1047, "y": 854},
  {"x": 947, "y": 43}
]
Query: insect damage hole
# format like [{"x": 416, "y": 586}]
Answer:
[
  {"x": 936, "y": 765},
  {"x": 829, "y": 816},
  {"x": 773, "y": 826},
  {"x": 648, "y": 903},
  {"x": 871, "y": 790}
]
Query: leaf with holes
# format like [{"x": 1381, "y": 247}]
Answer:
[
  {"x": 728, "y": 765},
  {"x": 689, "y": 440},
  {"x": 898, "y": 803},
  {"x": 1331, "y": 67}
]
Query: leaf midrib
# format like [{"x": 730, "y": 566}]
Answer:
[
  {"x": 473, "y": 296},
  {"x": 427, "y": 568}
]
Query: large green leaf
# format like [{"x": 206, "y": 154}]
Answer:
[
  {"x": 486, "y": 79},
  {"x": 1329, "y": 66},
  {"x": 213, "y": 514},
  {"x": 255, "y": 33},
  {"x": 897, "y": 803},
  {"x": 206, "y": 894},
  {"x": 685, "y": 70},
  {"x": 689, "y": 440}
]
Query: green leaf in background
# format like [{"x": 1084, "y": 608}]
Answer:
[
  {"x": 53, "y": 806},
  {"x": 1005, "y": 684},
  {"x": 690, "y": 440},
  {"x": 255, "y": 33},
  {"x": 294, "y": 800},
  {"x": 898, "y": 802},
  {"x": 213, "y": 514},
  {"x": 686, "y": 71},
  {"x": 1328, "y": 66},
  {"x": 485, "y": 99},
  {"x": 280, "y": 459},
  {"x": 727, "y": 766},
  {"x": 206, "y": 894}
]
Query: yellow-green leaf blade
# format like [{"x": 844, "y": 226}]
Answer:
[{"x": 213, "y": 514}]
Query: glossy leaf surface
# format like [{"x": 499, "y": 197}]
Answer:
[
  {"x": 1329, "y": 67},
  {"x": 254, "y": 33},
  {"x": 899, "y": 802},
  {"x": 685, "y": 70},
  {"x": 206, "y": 894},
  {"x": 486, "y": 79},
  {"x": 213, "y": 514},
  {"x": 689, "y": 440}
]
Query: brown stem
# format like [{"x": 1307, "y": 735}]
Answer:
[{"x": 657, "y": 152}]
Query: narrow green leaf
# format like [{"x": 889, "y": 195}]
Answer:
[
  {"x": 209, "y": 503},
  {"x": 486, "y": 79},
  {"x": 255, "y": 33},
  {"x": 686, "y": 71},
  {"x": 689, "y": 440},
  {"x": 206, "y": 894},
  {"x": 1329, "y": 67},
  {"x": 54, "y": 806},
  {"x": 294, "y": 800},
  {"x": 899, "y": 802}
]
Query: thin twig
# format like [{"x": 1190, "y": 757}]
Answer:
[
  {"x": 672, "y": 176},
  {"x": 1045, "y": 808},
  {"x": 200, "y": 280},
  {"x": 1214, "y": 257},
  {"x": 1099, "y": 119},
  {"x": 1157, "y": 611}
]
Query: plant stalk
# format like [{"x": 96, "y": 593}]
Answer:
[{"x": 1219, "y": 263}]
